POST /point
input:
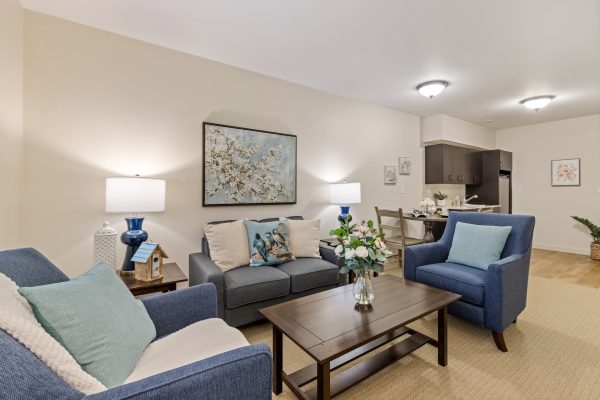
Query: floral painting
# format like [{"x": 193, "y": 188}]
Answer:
[
  {"x": 248, "y": 167},
  {"x": 566, "y": 172}
]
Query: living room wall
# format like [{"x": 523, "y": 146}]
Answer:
[
  {"x": 533, "y": 147},
  {"x": 99, "y": 105},
  {"x": 11, "y": 121}
]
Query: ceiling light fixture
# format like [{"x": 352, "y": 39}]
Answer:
[
  {"x": 537, "y": 102},
  {"x": 432, "y": 88}
]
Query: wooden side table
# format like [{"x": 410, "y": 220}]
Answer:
[{"x": 172, "y": 275}]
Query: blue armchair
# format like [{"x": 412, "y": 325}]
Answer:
[
  {"x": 241, "y": 374},
  {"x": 492, "y": 299}
]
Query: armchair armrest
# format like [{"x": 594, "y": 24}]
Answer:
[
  {"x": 506, "y": 290},
  {"x": 328, "y": 254},
  {"x": 173, "y": 311},
  {"x": 204, "y": 270},
  {"x": 240, "y": 374},
  {"x": 423, "y": 254}
]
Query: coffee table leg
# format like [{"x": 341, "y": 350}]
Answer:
[
  {"x": 323, "y": 388},
  {"x": 443, "y": 336},
  {"x": 277, "y": 360}
]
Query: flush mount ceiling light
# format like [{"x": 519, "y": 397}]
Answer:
[
  {"x": 432, "y": 88},
  {"x": 537, "y": 102}
]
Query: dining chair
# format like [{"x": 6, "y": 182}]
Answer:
[{"x": 395, "y": 224}]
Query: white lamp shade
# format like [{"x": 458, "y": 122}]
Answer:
[
  {"x": 135, "y": 195},
  {"x": 345, "y": 193}
]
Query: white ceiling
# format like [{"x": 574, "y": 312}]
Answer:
[{"x": 494, "y": 53}]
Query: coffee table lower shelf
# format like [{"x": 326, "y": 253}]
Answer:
[{"x": 359, "y": 372}]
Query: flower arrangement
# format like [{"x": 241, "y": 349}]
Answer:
[
  {"x": 427, "y": 202},
  {"x": 362, "y": 248}
]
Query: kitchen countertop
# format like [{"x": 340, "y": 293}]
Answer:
[{"x": 470, "y": 207}]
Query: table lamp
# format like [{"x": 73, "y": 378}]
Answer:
[
  {"x": 134, "y": 195},
  {"x": 345, "y": 194}
]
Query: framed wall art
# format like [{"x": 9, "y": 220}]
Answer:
[
  {"x": 243, "y": 166},
  {"x": 566, "y": 172},
  {"x": 404, "y": 166},
  {"x": 389, "y": 174}
]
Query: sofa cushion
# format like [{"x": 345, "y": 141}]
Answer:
[
  {"x": 305, "y": 238},
  {"x": 228, "y": 244},
  {"x": 466, "y": 281},
  {"x": 268, "y": 242},
  {"x": 97, "y": 319},
  {"x": 310, "y": 273},
  {"x": 195, "y": 342},
  {"x": 247, "y": 285},
  {"x": 478, "y": 245}
]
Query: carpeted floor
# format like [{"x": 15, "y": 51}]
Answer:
[{"x": 554, "y": 353}]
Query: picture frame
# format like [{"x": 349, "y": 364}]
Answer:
[
  {"x": 404, "y": 165},
  {"x": 565, "y": 172},
  {"x": 389, "y": 174},
  {"x": 245, "y": 166}
]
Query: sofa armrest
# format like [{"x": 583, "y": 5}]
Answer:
[
  {"x": 506, "y": 290},
  {"x": 240, "y": 374},
  {"x": 423, "y": 254},
  {"x": 328, "y": 254},
  {"x": 173, "y": 311},
  {"x": 204, "y": 270}
]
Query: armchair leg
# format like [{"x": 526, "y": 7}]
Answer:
[{"x": 499, "y": 340}]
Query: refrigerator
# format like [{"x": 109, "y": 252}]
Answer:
[{"x": 504, "y": 193}]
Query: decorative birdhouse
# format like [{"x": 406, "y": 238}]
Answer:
[{"x": 148, "y": 261}]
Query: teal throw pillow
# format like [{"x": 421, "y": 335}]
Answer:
[
  {"x": 268, "y": 242},
  {"x": 478, "y": 245},
  {"x": 98, "y": 321}
]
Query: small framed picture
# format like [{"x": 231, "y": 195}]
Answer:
[
  {"x": 389, "y": 174},
  {"x": 404, "y": 165},
  {"x": 566, "y": 172}
]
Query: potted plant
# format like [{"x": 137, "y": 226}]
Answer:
[
  {"x": 362, "y": 249},
  {"x": 440, "y": 198},
  {"x": 595, "y": 232}
]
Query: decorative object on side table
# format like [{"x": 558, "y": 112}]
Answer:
[
  {"x": 440, "y": 198},
  {"x": 148, "y": 261},
  {"x": 134, "y": 195},
  {"x": 566, "y": 172},
  {"x": 345, "y": 194},
  {"x": 105, "y": 246},
  {"x": 595, "y": 233},
  {"x": 404, "y": 165},
  {"x": 389, "y": 174},
  {"x": 363, "y": 250},
  {"x": 244, "y": 166},
  {"x": 172, "y": 275}
]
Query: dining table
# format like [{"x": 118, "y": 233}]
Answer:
[{"x": 429, "y": 223}]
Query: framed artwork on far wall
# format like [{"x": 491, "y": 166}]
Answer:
[
  {"x": 389, "y": 174},
  {"x": 243, "y": 166},
  {"x": 566, "y": 172},
  {"x": 404, "y": 166}
]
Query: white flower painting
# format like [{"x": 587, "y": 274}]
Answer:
[
  {"x": 566, "y": 172},
  {"x": 245, "y": 166}
]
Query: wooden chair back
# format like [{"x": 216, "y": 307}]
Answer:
[{"x": 396, "y": 237}]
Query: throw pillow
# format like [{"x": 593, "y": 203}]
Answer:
[
  {"x": 17, "y": 319},
  {"x": 228, "y": 243},
  {"x": 97, "y": 319},
  {"x": 305, "y": 236},
  {"x": 478, "y": 245},
  {"x": 268, "y": 242}
]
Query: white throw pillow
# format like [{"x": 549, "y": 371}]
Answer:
[
  {"x": 18, "y": 320},
  {"x": 304, "y": 237},
  {"x": 228, "y": 243}
]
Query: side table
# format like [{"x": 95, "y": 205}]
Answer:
[{"x": 172, "y": 275}]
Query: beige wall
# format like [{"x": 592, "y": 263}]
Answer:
[
  {"x": 11, "y": 121},
  {"x": 98, "y": 105},
  {"x": 533, "y": 148},
  {"x": 442, "y": 128}
]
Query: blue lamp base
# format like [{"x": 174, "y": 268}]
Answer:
[
  {"x": 132, "y": 238},
  {"x": 345, "y": 213}
]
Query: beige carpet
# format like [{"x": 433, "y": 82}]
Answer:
[{"x": 554, "y": 353}]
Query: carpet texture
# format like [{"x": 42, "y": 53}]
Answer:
[{"x": 553, "y": 353}]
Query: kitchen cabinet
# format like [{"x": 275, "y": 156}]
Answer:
[{"x": 452, "y": 165}]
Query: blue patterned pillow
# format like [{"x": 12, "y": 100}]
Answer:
[{"x": 268, "y": 242}]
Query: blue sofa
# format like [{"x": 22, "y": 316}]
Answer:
[
  {"x": 492, "y": 298},
  {"x": 241, "y": 374}
]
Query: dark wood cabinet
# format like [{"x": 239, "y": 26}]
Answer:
[
  {"x": 449, "y": 164},
  {"x": 505, "y": 160}
]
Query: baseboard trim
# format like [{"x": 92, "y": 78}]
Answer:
[{"x": 564, "y": 249}]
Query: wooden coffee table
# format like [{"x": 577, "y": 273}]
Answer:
[{"x": 328, "y": 328}]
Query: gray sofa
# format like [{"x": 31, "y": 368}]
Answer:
[{"x": 242, "y": 291}]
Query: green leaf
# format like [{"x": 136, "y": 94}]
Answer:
[
  {"x": 370, "y": 223},
  {"x": 344, "y": 270},
  {"x": 372, "y": 254}
]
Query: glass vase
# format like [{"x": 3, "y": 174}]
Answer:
[{"x": 363, "y": 290}]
